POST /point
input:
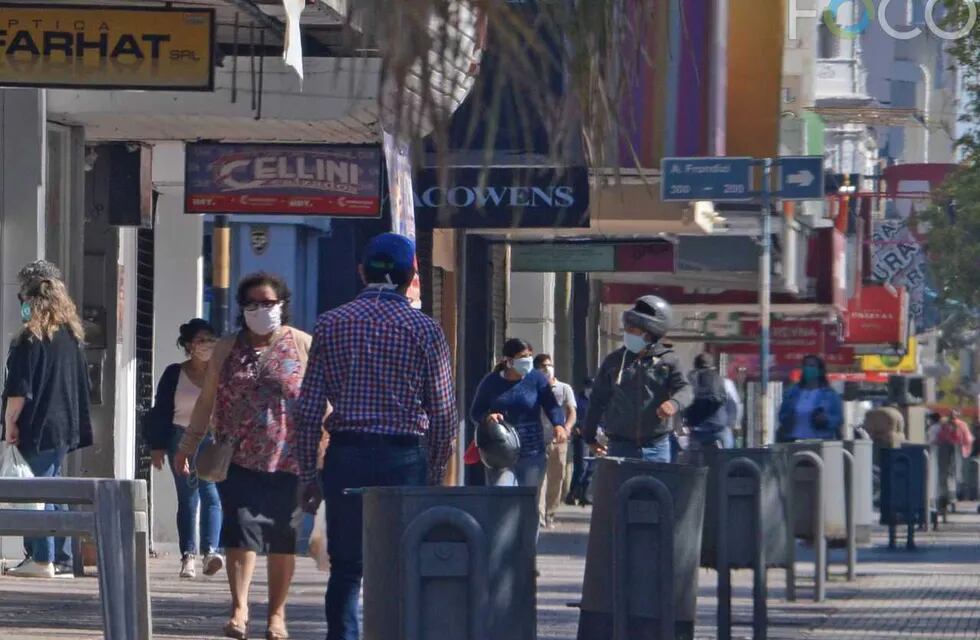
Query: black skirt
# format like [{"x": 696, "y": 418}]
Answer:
[{"x": 261, "y": 510}]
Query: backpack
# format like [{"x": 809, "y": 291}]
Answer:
[{"x": 709, "y": 398}]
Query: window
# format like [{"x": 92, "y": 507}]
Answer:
[{"x": 828, "y": 43}]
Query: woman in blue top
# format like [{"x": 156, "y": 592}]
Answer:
[
  {"x": 516, "y": 393},
  {"x": 811, "y": 410}
]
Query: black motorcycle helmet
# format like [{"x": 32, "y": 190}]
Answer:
[
  {"x": 652, "y": 314},
  {"x": 498, "y": 443}
]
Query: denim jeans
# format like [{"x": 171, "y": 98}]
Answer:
[
  {"x": 349, "y": 467},
  {"x": 705, "y": 438},
  {"x": 657, "y": 452},
  {"x": 48, "y": 464},
  {"x": 528, "y": 472},
  {"x": 582, "y": 469},
  {"x": 189, "y": 499}
]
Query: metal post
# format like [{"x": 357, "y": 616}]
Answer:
[
  {"x": 927, "y": 491},
  {"x": 747, "y": 483},
  {"x": 220, "y": 275},
  {"x": 850, "y": 505},
  {"x": 819, "y": 537},
  {"x": 910, "y": 508},
  {"x": 660, "y": 512},
  {"x": 765, "y": 292}
]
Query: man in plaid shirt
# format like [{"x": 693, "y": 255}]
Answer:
[{"x": 385, "y": 369}]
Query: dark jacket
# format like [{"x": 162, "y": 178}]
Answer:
[
  {"x": 628, "y": 391},
  {"x": 159, "y": 428}
]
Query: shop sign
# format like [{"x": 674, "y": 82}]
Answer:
[
  {"x": 89, "y": 47},
  {"x": 503, "y": 197},
  {"x": 398, "y": 162},
  {"x": 583, "y": 257},
  {"x": 325, "y": 180},
  {"x": 877, "y": 315},
  {"x": 896, "y": 363}
]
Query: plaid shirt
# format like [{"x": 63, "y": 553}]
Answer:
[{"x": 384, "y": 368}]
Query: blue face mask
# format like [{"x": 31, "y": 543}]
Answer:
[
  {"x": 811, "y": 373},
  {"x": 634, "y": 343},
  {"x": 523, "y": 366},
  {"x": 25, "y": 312}
]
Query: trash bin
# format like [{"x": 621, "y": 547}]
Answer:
[
  {"x": 835, "y": 516},
  {"x": 442, "y": 562},
  {"x": 738, "y": 527},
  {"x": 902, "y": 484},
  {"x": 863, "y": 452},
  {"x": 686, "y": 486},
  {"x": 971, "y": 479}
]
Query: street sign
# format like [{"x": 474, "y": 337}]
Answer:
[
  {"x": 717, "y": 179},
  {"x": 800, "y": 178}
]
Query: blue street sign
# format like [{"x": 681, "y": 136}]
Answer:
[
  {"x": 800, "y": 178},
  {"x": 718, "y": 179}
]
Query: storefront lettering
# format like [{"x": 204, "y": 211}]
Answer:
[
  {"x": 482, "y": 197},
  {"x": 299, "y": 170},
  {"x": 76, "y": 44}
]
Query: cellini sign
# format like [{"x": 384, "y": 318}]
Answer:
[{"x": 850, "y": 18}]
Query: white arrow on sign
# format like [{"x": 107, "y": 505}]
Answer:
[{"x": 802, "y": 178}]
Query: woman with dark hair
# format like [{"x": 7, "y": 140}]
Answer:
[
  {"x": 251, "y": 385},
  {"x": 516, "y": 392},
  {"x": 45, "y": 398},
  {"x": 811, "y": 410},
  {"x": 178, "y": 391}
]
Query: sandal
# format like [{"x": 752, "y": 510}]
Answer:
[
  {"x": 276, "y": 634},
  {"x": 236, "y": 630}
]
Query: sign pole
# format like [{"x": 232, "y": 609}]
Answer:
[
  {"x": 221, "y": 275},
  {"x": 765, "y": 291}
]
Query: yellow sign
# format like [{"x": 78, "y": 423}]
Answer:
[
  {"x": 106, "y": 48},
  {"x": 895, "y": 364}
]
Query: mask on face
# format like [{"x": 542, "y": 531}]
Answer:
[
  {"x": 634, "y": 343},
  {"x": 203, "y": 352},
  {"x": 522, "y": 366},
  {"x": 262, "y": 321},
  {"x": 25, "y": 312},
  {"x": 549, "y": 371},
  {"x": 811, "y": 373}
]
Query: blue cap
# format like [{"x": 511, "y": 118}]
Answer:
[{"x": 389, "y": 253}]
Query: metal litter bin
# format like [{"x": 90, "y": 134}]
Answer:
[
  {"x": 903, "y": 488},
  {"x": 835, "y": 516},
  {"x": 738, "y": 527},
  {"x": 444, "y": 562},
  {"x": 971, "y": 479},
  {"x": 627, "y": 581},
  {"x": 863, "y": 452}
]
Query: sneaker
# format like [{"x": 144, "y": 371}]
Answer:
[
  {"x": 64, "y": 571},
  {"x": 187, "y": 569},
  {"x": 213, "y": 563},
  {"x": 31, "y": 569}
]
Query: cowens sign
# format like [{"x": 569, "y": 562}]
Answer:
[
  {"x": 327, "y": 180},
  {"x": 503, "y": 197},
  {"x": 47, "y": 45}
]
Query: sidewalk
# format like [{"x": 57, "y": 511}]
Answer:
[{"x": 927, "y": 594}]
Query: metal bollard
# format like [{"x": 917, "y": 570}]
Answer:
[
  {"x": 801, "y": 460},
  {"x": 658, "y": 512},
  {"x": 927, "y": 493},
  {"x": 850, "y": 495},
  {"x": 735, "y": 483},
  {"x": 444, "y": 559}
]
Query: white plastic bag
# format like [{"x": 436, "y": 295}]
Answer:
[
  {"x": 13, "y": 465},
  {"x": 318, "y": 539}
]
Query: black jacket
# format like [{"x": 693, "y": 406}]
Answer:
[
  {"x": 159, "y": 429},
  {"x": 628, "y": 391}
]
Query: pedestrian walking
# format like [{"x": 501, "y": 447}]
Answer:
[
  {"x": 177, "y": 393},
  {"x": 953, "y": 441},
  {"x": 639, "y": 388},
  {"x": 556, "y": 453},
  {"x": 385, "y": 368},
  {"x": 46, "y": 398},
  {"x": 516, "y": 393},
  {"x": 713, "y": 412},
  {"x": 811, "y": 410},
  {"x": 252, "y": 383},
  {"x": 581, "y": 468}
]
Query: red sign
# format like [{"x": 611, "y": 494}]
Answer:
[
  {"x": 285, "y": 204},
  {"x": 793, "y": 340},
  {"x": 877, "y": 315}
]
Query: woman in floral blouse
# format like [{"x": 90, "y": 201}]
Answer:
[{"x": 253, "y": 380}]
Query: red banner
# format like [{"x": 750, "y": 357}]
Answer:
[{"x": 877, "y": 315}]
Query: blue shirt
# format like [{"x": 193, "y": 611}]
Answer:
[{"x": 520, "y": 402}]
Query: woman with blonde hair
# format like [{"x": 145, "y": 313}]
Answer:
[{"x": 45, "y": 398}]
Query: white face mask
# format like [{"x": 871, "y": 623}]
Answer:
[
  {"x": 262, "y": 321},
  {"x": 522, "y": 366},
  {"x": 550, "y": 372}
]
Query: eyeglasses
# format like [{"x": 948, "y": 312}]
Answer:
[{"x": 255, "y": 306}]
